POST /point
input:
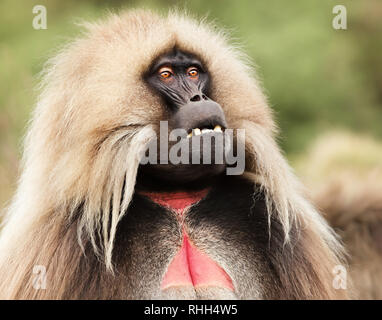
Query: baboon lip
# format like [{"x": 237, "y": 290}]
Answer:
[{"x": 190, "y": 266}]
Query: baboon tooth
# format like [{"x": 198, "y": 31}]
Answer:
[
  {"x": 218, "y": 128},
  {"x": 197, "y": 132},
  {"x": 189, "y": 135},
  {"x": 206, "y": 130}
]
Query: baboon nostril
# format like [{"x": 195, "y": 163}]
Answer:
[{"x": 195, "y": 98}]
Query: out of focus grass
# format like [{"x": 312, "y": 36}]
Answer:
[
  {"x": 338, "y": 154},
  {"x": 316, "y": 78}
]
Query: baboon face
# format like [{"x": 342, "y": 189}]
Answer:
[{"x": 183, "y": 83}]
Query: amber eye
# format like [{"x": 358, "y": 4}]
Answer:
[
  {"x": 165, "y": 72},
  {"x": 193, "y": 72}
]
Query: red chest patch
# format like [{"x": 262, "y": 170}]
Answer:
[{"x": 190, "y": 266}]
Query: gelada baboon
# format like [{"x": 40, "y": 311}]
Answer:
[{"x": 100, "y": 224}]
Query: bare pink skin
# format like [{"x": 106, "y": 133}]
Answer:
[{"x": 190, "y": 266}]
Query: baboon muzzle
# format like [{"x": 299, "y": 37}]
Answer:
[{"x": 199, "y": 112}]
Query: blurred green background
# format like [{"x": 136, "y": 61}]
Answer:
[{"x": 318, "y": 79}]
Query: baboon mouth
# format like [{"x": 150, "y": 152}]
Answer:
[{"x": 199, "y": 152}]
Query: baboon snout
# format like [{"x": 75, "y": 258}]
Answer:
[{"x": 201, "y": 113}]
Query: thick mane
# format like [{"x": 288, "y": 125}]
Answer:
[{"x": 93, "y": 119}]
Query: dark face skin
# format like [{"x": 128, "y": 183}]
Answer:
[
  {"x": 179, "y": 78},
  {"x": 183, "y": 83}
]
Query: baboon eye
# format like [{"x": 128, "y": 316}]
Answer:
[
  {"x": 193, "y": 72},
  {"x": 165, "y": 72}
]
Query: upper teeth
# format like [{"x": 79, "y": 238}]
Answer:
[
  {"x": 218, "y": 129},
  {"x": 197, "y": 131}
]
